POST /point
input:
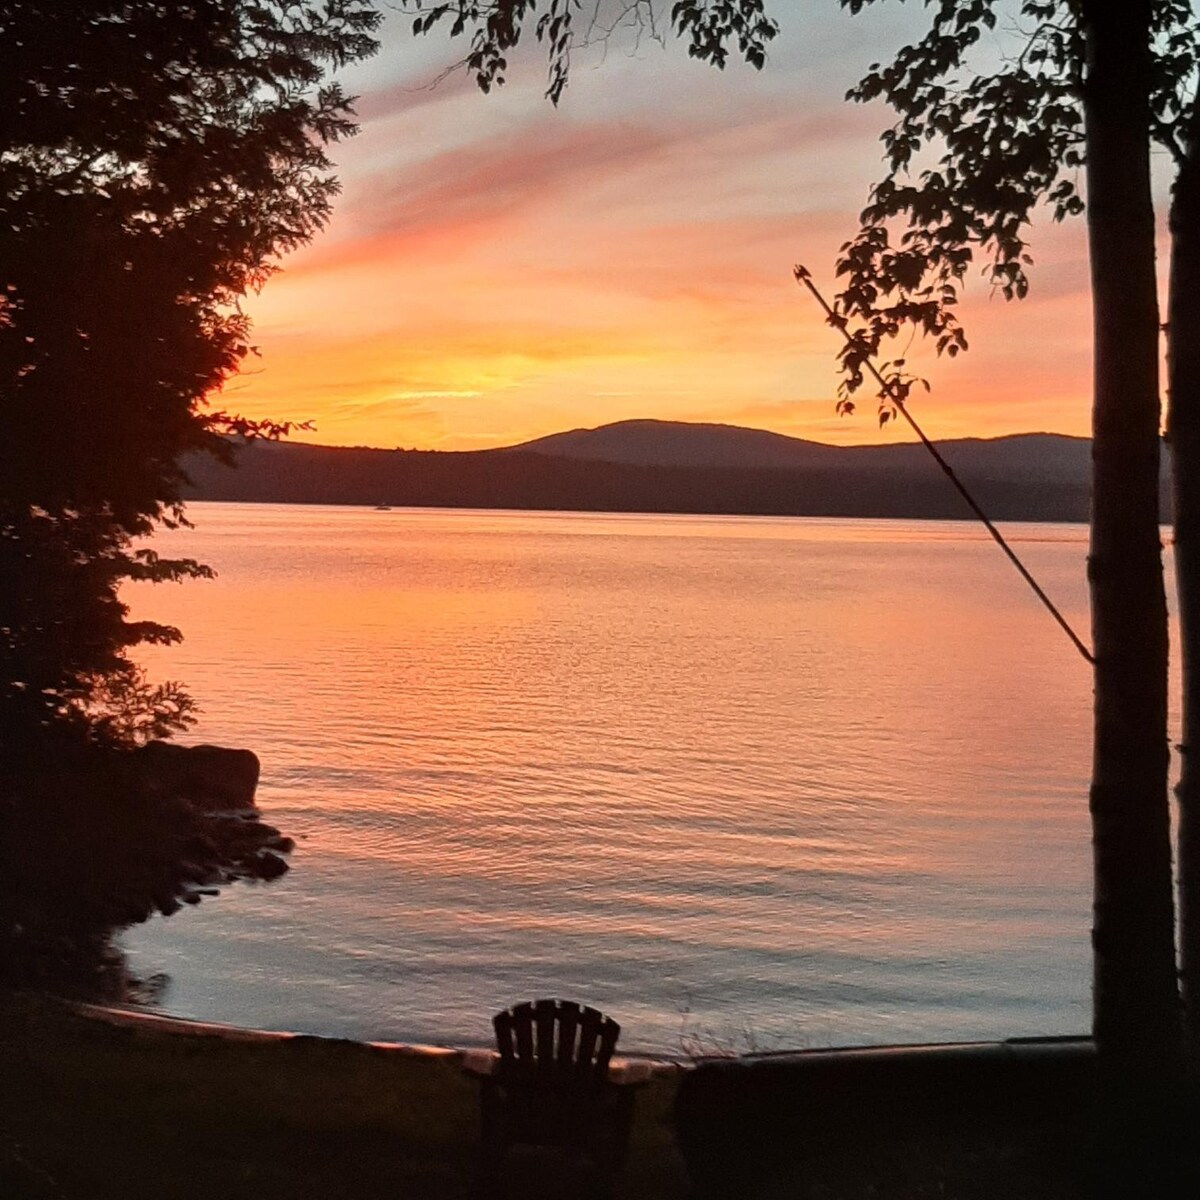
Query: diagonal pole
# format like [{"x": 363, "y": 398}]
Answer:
[{"x": 892, "y": 392}]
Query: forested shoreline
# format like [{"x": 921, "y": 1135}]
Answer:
[{"x": 306, "y": 474}]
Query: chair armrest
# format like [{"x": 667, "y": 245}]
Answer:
[
  {"x": 630, "y": 1073},
  {"x": 479, "y": 1063}
]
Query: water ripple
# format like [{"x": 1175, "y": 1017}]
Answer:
[{"x": 744, "y": 781}]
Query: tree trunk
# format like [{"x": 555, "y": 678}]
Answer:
[
  {"x": 1136, "y": 1005},
  {"x": 1183, "y": 378}
]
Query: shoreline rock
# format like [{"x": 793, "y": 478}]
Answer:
[
  {"x": 214, "y": 777},
  {"x": 94, "y": 842}
]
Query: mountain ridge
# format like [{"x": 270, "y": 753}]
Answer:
[
  {"x": 653, "y": 442},
  {"x": 665, "y": 466}
]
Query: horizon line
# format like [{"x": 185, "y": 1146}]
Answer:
[{"x": 529, "y": 442}]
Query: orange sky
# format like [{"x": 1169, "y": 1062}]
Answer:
[{"x": 498, "y": 269}]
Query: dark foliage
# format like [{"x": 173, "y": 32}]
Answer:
[
  {"x": 981, "y": 142},
  {"x": 155, "y": 160},
  {"x": 710, "y": 28}
]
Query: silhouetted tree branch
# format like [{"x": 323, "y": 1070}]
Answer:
[{"x": 710, "y": 27}]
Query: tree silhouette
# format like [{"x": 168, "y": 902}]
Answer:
[
  {"x": 1092, "y": 88},
  {"x": 1006, "y": 141},
  {"x": 976, "y": 148},
  {"x": 155, "y": 160},
  {"x": 1181, "y": 132}
]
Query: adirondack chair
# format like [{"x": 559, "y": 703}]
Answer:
[{"x": 550, "y": 1093}]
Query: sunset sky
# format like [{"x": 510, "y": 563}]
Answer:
[{"x": 498, "y": 269}]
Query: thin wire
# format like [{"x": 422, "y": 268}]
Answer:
[{"x": 893, "y": 394}]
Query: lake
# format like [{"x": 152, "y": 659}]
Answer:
[{"x": 743, "y": 782}]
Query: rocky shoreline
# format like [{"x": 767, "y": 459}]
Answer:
[{"x": 96, "y": 840}]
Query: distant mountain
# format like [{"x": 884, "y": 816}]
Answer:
[
  {"x": 1024, "y": 456},
  {"x": 670, "y": 466},
  {"x": 683, "y": 444}
]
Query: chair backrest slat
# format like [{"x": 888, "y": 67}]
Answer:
[
  {"x": 523, "y": 1031},
  {"x": 609, "y": 1031},
  {"x": 503, "y": 1024},
  {"x": 568, "y": 1027},
  {"x": 545, "y": 1015},
  {"x": 589, "y": 1035}
]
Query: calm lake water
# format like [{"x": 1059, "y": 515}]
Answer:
[{"x": 742, "y": 782}]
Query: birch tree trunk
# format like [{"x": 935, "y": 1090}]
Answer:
[
  {"x": 1183, "y": 378},
  {"x": 1136, "y": 1006}
]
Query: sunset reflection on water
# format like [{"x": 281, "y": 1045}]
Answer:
[{"x": 739, "y": 781}]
